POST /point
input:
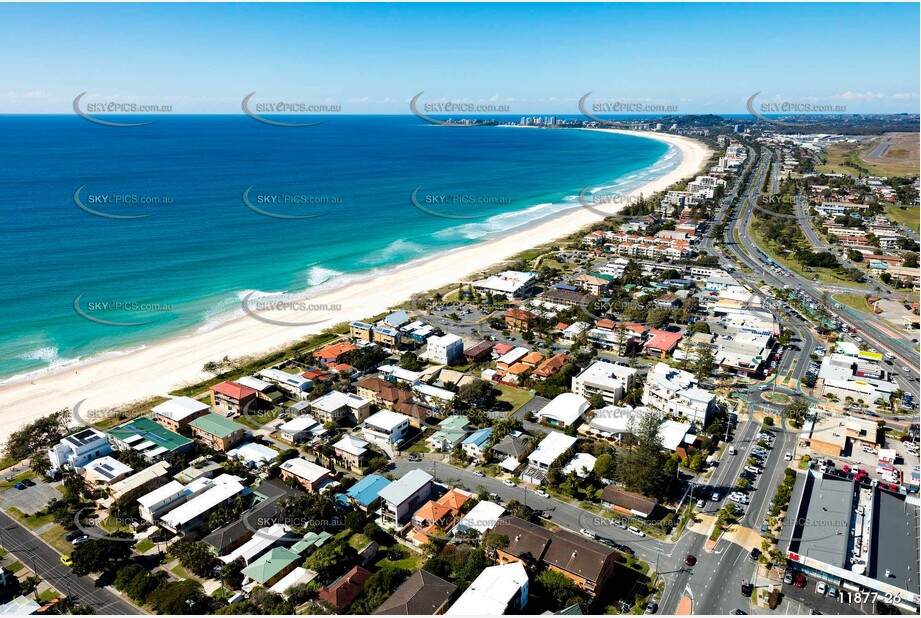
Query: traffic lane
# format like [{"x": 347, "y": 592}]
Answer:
[
  {"x": 729, "y": 468},
  {"x": 717, "y": 582},
  {"x": 677, "y": 580},
  {"x": 46, "y": 562},
  {"x": 560, "y": 513},
  {"x": 768, "y": 480}
]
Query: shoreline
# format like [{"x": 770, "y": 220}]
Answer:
[{"x": 162, "y": 366}]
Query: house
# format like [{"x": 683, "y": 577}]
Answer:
[
  {"x": 519, "y": 320},
  {"x": 667, "y": 301},
  {"x": 361, "y": 331},
  {"x": 332, "y": 353},
  {"x": 627, "y": 502},
  {"x": 398, "y": 375},
  {"x": 551, "y": 366},
  {"x": 179, "y": 412},
  {"x": 386, "y": 336},
  {"x": 78, "y": 449},
  {"x": 444, "y": 350},
  {"x": 138, "y": 479},
  {"x": 232, "y": 397},
  {"x": 404, "y": 496},
  {"x": 353, "y": 451},
  {"x": 580, "y": 465},
  {"x": 568, "y": 298},
  {"x": 661, "y": 343},
  {"x": 422, "y": 594},
  {"x": 253, "y": 454},
  {"x": 396, "y": 319},
  {"x": 266, "y": 391},
  {"x": 386, "y": 428},
  {"x": 511, "y": 357},
  {"x": 475, "y": 444},
  {"x": 675, "y": 393},
  {"x": 105, "y": 471},
  {"x": 365, "y": 494},
  {"x": 482, "y": 518},
  {"x": 527, "y": 542},
  {"x": 585, "y": 562},
  {"x": 220, "y": 491},
  {"x": 154, "y": 504},
  {"x": 19, "y": 605},
  {"x": 551, "y": 448},
  {"x": 437, "y": 515},
  {"x": 512, "y": 450},
  {"x": 271, "y": 566},
  {"x": 294, "y": 385},
  {"x": 148, "y": 438},
  {"x": 609, "y": 380},
  {"x": 595, "y": 284},
  {"x": 229, "y": 537},
  {"x": 307, "y": 474},
  {"x": 564, "y": 410},
  {"x": 262, "y": 540},
  {"x": 335, "y": 406},
  {"x": 381, "y": 393},
  {"x": 346, "y": 589},
  {"x": 217, "y": 432},
  {"x": 479, "y": 353},
  {"x": 451, "y": 431},
  {"x": 497, "y": 590},
  {"x": 510, "y": 284},
  {"x": 300, "y": 428}
]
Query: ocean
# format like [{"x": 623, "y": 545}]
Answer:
[{"x": 114, "y": 237}]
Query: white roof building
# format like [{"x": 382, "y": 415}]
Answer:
[
  {"x": 386, "y": 420},
  {"x": 564, "y": 410},
  {"x": 304, "y": 469},
  {"x": 432, "y": 393},
  {"x": 333, "y": 401},
  {"x": 513, "y": 356},
  {"x": 496, "y": 591},
  {"x": 481, "y": 518},
  {"x": 609, "y": 380},
  {"x": 511, "y": 283},
  {"x": 399, "y": 374},
  {"x": 675, "y": 393},
  {"x": 106, "y": 470},
  {"x": 253, "y": 453},
  {"x": 263, "y": 540},
  {"x": 581, "y": 464},
  {"x": 223, "y": 488},
  {"x": 119, "y": 489},
  {"x": 352, "y": 445},
  {"x": 550, "y": 449},
  {"x": 255, "y": 383},
  {"x": 180, "y": 408}
]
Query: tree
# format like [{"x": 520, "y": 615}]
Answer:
[
  {"x": 37, "y": 436},
  {"x": 332, "y": 560},
  {"x": 605, "y": 466},
  {"x": 194, "y": 556},
  {"x": 378, "y": 588},
  {"x": 354, "y": 521},
  {"x": 477, "y": 394},
  {"x": 640, "y": 468},
  {"x": 184, "y": 597},
  {"x": 99, "y": 555},
  {"x": 556, "y": 590},
  {"x": 410, "y": 361},
  {"x": 705, "y": 361},
  {"x": 232, "y": 574}
]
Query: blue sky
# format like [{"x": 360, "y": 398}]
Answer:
[{"x": 372, "y": 58}]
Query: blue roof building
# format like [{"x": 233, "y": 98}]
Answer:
[
  {"x": 366, "y": 492},
  {"x": 475, "y": 443}
]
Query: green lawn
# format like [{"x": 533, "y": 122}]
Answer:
[
  {"x": 6, "y": 484},
  {"x": 13, "y": 567},
  {"x": 907, "y": 217},
  {"x": 144, "y": 545},
  {"x": 48, "y": 595},
  {"x": 358, "y": 541},
  {"x": 30, "y": 521},
  {"x": 54, "y": 536},
  {"x": 515, "y": 397},
  {"x": 411, "y": 561},
  {"x": 858, "y": 302}
]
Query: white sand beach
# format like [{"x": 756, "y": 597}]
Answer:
[{"x": 164, "y": 366}]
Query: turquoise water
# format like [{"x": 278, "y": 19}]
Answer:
[{"x": 196, "y": 248}]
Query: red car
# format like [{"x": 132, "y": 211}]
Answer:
[
  {"x": 799, "y": 581},
  {"x": 690, "y": 560},
  {"x": 893, "y": 487}
]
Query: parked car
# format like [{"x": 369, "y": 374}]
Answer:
[
  {"x": 478, "y": 473},
  {"x": 508, "y": 483},
  {"x": 700, "y": 504},
  {"x": 66, "y": 561},
  {"x": 832, "y": 592},
  {"x": 754, "y": 553},
  {"x": 799, "y": 580},
  {"x": 587, "y": 533},
  {"x": 820, "y": 588},
  {"x": 542, "y": 493},
  {"x": 788, "y": 577},
  {"x": 651, "y": 608},
  {"x": 788, "y": 456},
  {"x": 636, "y": 531}
]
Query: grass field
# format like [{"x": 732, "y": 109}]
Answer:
[
  {"x": 515, "y": 397},
  {"x": 858, "y": 302},
  {"x": 909, "y": 217},
  {"x": 144, "y": 545},
  {"x": 411, "y": 561},
  {"x": 54, "y": 536},
  {"x": 900, "y": 159},
  {"x": 28, "y": 474},
  {"x": 30, "y": 521}
]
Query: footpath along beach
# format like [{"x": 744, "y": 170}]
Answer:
[{"x": 166, "y": 365}]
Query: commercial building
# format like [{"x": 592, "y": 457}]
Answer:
[
  {"x": 675, "y": 393},
  {"x": 609, "y": 380},
  {"x": 445, "y": 349},
  {"x": 511, "y": 284}
]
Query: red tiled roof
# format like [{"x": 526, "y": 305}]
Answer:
[
  {"x": 234, "y": 390},
  {"x": 334, "y": 351},
  {"x": 663, "y": 340}
]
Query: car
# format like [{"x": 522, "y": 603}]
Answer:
[
  {"x": 619, "y": 523},
  {"x": 623, "y": 548},
  {"x": 19, "y": 486},
  {"x": 754, "y": 554},
  {"x": 478, "y": 473},
  {"x": 700, "y": 504},
  {"x": 394, "y": 555},
  {"x": 413, "y": 457},
  {"x": 747, "y": 588},
  {"x": 906, "y": 369},
  {"x": 832, "y": 592},
  {"x": 28, "y": 482},
  {"x": 80, "y": 540},
  {"x": 799, "y": 580},
  {"x": 690, "y": 560},
  {"x": 890, "y": 355},
  {"x": 636, "y": 531},
  {"x": 788, "y": 456},
  {"x": 788, "y": 577},
  {"x": 587, "y": 533},
  {"x": 845, "y": 468},
  {"x": 73, "y": 534},
  {"x": 508, "y": 483},
  {"x": 763, "y": 387},
  {"x": 542, "y": 493},
  {"x": 821, "y": 588},
  {"x": 716, "y": 496},
  {"x": 753, "y": 469},
  {"x": 66, "y": 561},
  {"x": 739, "y": 612},
  {"x": 651, "y": 608},
  {"x": 858, "y": 339}
]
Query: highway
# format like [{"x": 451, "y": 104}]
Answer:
[{"x": 46, "y": 562}]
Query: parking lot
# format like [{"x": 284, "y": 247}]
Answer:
[
  {"x": 30, "y": 500},
  {"x": 810, "y": 598}
]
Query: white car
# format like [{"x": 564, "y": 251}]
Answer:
[
  {"x": 542, "y": 493},
  {"x": 700, "y": 504},
  {"x": 587, "y": 533},
  {"x": 508, "y": 483},
  {"x": 788, "y": 456},
  {"x": 636, "y": 531},
  {"x": 478, "y": 473},
  {"x": 716, "y": 496},
  {"x": 753, "y": 469}
]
